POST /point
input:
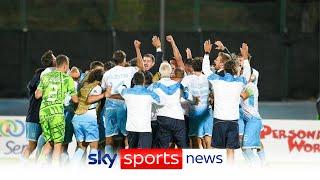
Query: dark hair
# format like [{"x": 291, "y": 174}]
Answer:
[
  {"x": 231, "y": 67},
  {"x": 138, "y": 78},
  {"x": 119, "y": 56},
  {"x": 95, "y": 75},
  {"x": 108, "y": 65},
  {"x": 95, "y": 64},
  {"x": 188, "y": 62},
  {"x": 148, "y": 78},
  {"x": 178, "y": 73},
  {"x": 150, "y": 56},
  {"x": 133, "y": 62},
  {"x": 61, "y": 60},
  {"x": 197, "y": 64},
  {"x": 47, "y": 59}
]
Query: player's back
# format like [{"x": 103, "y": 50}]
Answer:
[
  {"x": 170, "y": 92},
  {"x": 226, "y": 90},
  {"x": 118, "y": 76},
  {"x": 55, "y": 87},
  {"x": 198, "y": 86}
]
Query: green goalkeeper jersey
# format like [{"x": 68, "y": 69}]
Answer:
[{"x": 55, "y": 86}]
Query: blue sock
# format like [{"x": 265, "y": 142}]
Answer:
[
  {"x": 108, "y": 149},
  {"x": 64, "y": 158},
  {"x": 262, "y": 155},
  {"x": 78, "y": 155},
  {"x": 93, "y": 151},
  {"x": 250, "y": 156},
  {"x": 40, "y": 144}
]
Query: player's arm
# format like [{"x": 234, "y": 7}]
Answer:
[
  {"x": 75, "y": 99},
  {"x": 244, "y": 95},
  {"x": 159, "y": 54},
  {"x": 247, "y": 93},
  {"x": 38, "y": 92},
  {"x": 221, "y": 47},
  {"x": 94, "y": 98},
  {"x": 137, "y": 45},
  {"x": 244, "y": 50},
  {"x": 189, "y": 53},
  {"x": 207, "y": 46},
  {"x": 72, "y": 90},
  {"x": 155, "y": 98},
  {"x": 176, "y": 52}
]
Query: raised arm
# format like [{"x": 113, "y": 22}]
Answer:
[
  {"x": 244, "y": 50},
  {"x": 137, "y": 45},
  {"x": 159, "y": 54},
  {"x": 206, "y": 61},
  {"x": 189, "y": 54},
  {"x": 176, "y": 52}
]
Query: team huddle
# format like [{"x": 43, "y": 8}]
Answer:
[{"x": 146, "y": 102}]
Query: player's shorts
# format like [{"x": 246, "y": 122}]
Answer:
[
  {"x": 86, "y": 127},
  {"x": 241, "y": 122},
  {"x": 141, "y": 140},
  {"x": 68, "y": 115},
  {"x": 251, "y": 136},
  {"x": 114, "y": 117},
  {"x": 155, "y": 134},
  {"x": 53, "y": 127},
  {"x": 200, "y": 121},
  {"x": 225, "y": 134},
  {"x": 33, "y": 131}
]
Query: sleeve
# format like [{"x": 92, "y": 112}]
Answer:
[
  {"x": 33, "y": 83},
  {"x": 133, "y": 70},
  {"x": 71, "y": 89},
  {"x": 206, "y": 65},
  {"x": 186, "y": 94},
  {"x": 96, "y": 90},
  {"x": 246, "y": 69},
  {"x": 41, "y": 84},
  {"x": 104, "y": 82},
  {"x": 156, "y": 99}
]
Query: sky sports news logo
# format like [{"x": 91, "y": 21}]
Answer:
[{"x": 159, "y": 158}]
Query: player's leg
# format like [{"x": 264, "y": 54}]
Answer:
[
  {"x": 164, "y": 131},
  {"x": 57, "y": 150},
  {"x": 232, "y": 139},
  {"x": 207, "y": 129},
  {"x": 251, "y": 139},
  {"x": 144, "y": 140},
  {"x": 69, "y": 131},
  {"x": 33, "y": 131},
  {"x": 47, "y": 147},
  {"x": 92, "y": 135},
  {"x": 230, "y": 156},
  {"x": 261, "y": 154},
  {"x": 155, "y": 134},
  {"x": 122, "y": 119},
  {"x": 57, "y": 128},
  {"x": 109, "y": 116},
  {"x": 44, "y": 154},
  {"x": 207, "y": 142},
  {"x": 179, "y": 133}
]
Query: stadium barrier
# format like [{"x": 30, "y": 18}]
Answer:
[{"x": 285, "y": 141}]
